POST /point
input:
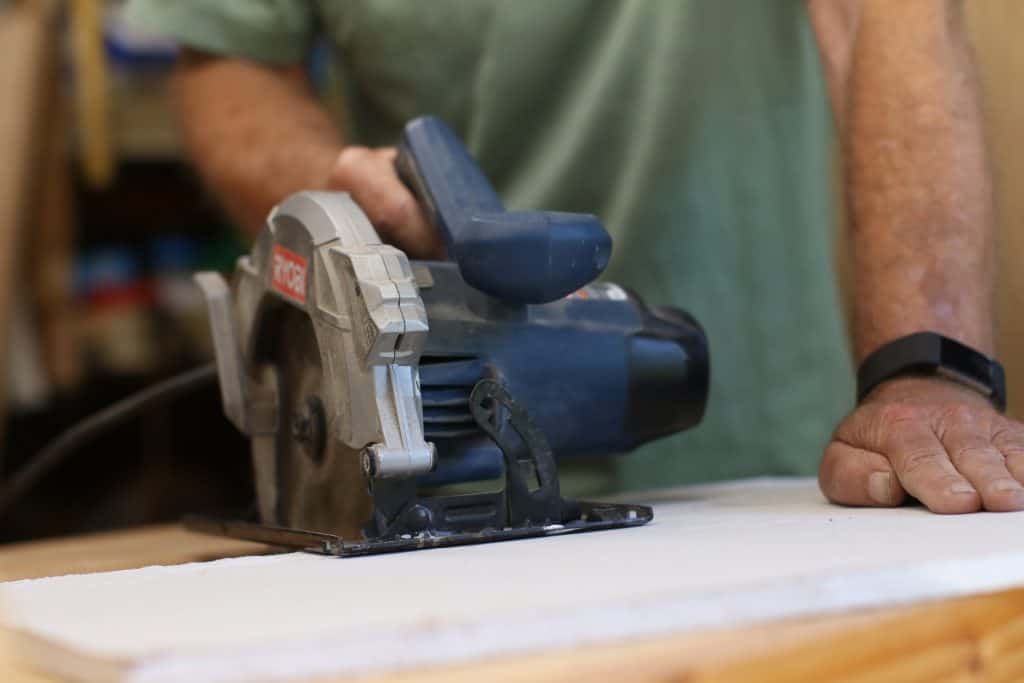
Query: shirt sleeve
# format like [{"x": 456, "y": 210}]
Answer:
[{"x": 277, "y": 32}]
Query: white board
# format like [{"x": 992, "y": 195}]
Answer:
[{"x": 715, "y": 555}]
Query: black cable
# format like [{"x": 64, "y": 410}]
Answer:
[{"x": 89, "y": 428}]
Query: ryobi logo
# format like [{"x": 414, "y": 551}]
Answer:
[{"x": 289, "y": 276}]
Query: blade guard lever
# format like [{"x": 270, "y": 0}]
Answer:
[
  {"x": 524, "y": 257},
  {"x": 227, "y": 348}
]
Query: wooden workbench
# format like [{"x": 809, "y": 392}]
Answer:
[{"x": 968, "y": 639}]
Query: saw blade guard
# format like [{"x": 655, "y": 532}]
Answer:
[{"x": 319, "y": 254}]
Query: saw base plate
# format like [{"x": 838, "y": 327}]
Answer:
[{"x": 594, "y": 517}]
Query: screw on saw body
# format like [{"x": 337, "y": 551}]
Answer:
[
  {"x": 309, "y": 428},
  {"x": 369, "y": 463}
]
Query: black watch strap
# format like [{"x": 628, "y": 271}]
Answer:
[{"x": 929, "y": 353}]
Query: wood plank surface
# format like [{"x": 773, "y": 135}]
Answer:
[
  {"x": 969, "y": 639},
  {"x": 127, "y": 549},
  {"x": 964, "y": 639}
]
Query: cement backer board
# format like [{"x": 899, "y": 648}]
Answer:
[{"x": 714, "y": 556}]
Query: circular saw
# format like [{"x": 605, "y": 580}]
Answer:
[{"x": 396, "y": 405}]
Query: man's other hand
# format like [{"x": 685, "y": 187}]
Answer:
[
  {"x": 936, "y": 440},
  {"x": 369, "y": 176}
]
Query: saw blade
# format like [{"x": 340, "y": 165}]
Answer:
[{"x": 321, "y": 484}]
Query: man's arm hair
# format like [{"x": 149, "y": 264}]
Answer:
[
  {"x": 255, "y": 132},
  {"x": 918, "y": 185}
]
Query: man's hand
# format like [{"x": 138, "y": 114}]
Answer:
[
  {"x": 938, "y": 441},
  {"x": 232, "y": 112},
  {"x": 369, "y": 176}
]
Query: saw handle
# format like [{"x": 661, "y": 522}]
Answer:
[{"x": 525, "y": 257}]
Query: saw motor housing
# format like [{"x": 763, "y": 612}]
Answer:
[{"x": 370, "y": 384}]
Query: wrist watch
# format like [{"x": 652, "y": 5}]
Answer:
[{"x": 930, "y": 353}]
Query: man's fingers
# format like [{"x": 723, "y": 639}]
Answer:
[
  {"x": 947, "y": 446},
  {"x": 853, "y": 476},
  {"x": 1009, "y": 439},
  {"x": 975, "y": 457},
  {"x": 369, "y": 176},
  {"x": 921, "y": 462},
  {"x": 395, "y": 213},
  {"x": 398, "y": 217}
]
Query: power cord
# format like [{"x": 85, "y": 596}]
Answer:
[{"x": 57, "y": 450}]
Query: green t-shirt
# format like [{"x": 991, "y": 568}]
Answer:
[{"x": 697, "y": 130}]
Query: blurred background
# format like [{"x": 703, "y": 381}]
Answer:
[{"x": 102, "y": 222}]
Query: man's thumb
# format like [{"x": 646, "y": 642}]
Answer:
[{"x": 854, "y": 476}]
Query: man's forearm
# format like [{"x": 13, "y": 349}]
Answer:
[
  {"x": 256, "y": 134},
  {"x": 917, "y": 178}
]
